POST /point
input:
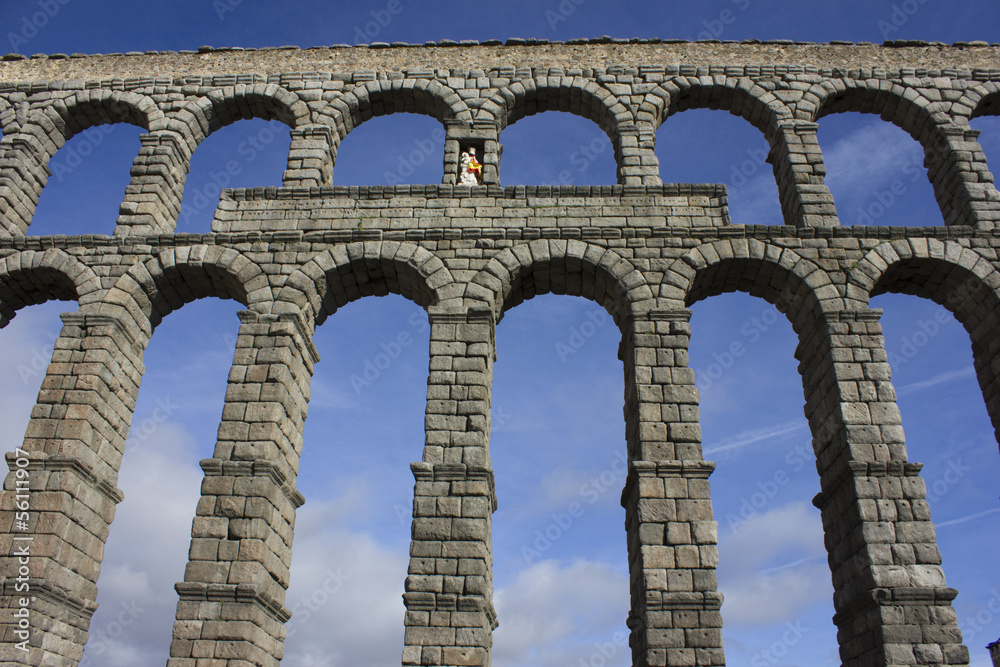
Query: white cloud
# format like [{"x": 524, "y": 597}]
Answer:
[
  {"x": 941, "y": 378},
  {"x": 774, "y": 566},
  {"x": 25, "y": 352},
  {"x": 146, "y": 551},
  {"x": 345, "y": 594},
  {"x": 335, "y": 572},
  {"x": 870, "y": 156},
  {"x": 556, "y": 614},
  {"x": 734, "y": 444}
]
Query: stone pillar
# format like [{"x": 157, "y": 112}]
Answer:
[
  {"x": 24, "y": 172},
  {"x": 799, "y": 171},
  {"x": 672, "y": 535},
  {"x": 994, "y": 650},
  {"x": 635, "y": 155},
  {"x": 892, "y": 605},
  {"x": 59, "y": 498},
  {"x": 449, "y": 586},
  {"x": 153, "y": 197},
  {"x": 311, "y": 156},
  {"x": 231, "y": 611},
  {"x": 484, "y": 136},
  {"x": 963, "y": 184}
]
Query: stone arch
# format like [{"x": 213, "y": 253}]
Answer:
[
  {"x": 945, "y": 142},
  {"x": 383, "y": 97},
  {"x": 51, "y": 122},
  {"x": 740, "y": 97},
  {"x": 959, "y": 279},
  {"x": 348, "y": 272},
  {"x": 8, "y": 118},
  {"x": 576, "y": 95},
  {"x": 48, "y": 122},
  {"x": 219, "y": 107},
  {"x": 150, "y": 291},
  {"x": 800, "y": 191},
  {"x": 796, "y": 286},
  {"x": 980, "y": 100},
  {"x": 566, "y": 267},
  {"x": 31, "y": 277},
  {"x": 98, "y": 106},
  {"x": 902, "y": 106}
]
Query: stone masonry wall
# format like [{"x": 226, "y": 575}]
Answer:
[{"x": 643, "y": 250}]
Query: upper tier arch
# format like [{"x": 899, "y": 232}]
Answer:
[
  {"x": 959, "y": 279},
  {"x": 569, "y": 267},
  {"x": 363, "y": 102},
  {"x": 794, "y": 285},
  {"x": 32, "y": 277},
  {"x": 346, "y": 273},
  {"x": 199, "y": 117},
  {"x": 740, "y": 97},
  {"x": 576, "y": 95},
  {"x": 150, "y": 291}
]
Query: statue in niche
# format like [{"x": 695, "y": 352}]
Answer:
[{"x": 470, "y": 169}]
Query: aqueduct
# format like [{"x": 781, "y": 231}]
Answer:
[{"x": 643, "y": 250}]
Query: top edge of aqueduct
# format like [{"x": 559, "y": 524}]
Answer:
[{"x": 966, "y": 57}]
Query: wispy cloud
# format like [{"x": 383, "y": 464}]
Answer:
[
  {"x": 868, "y": 157},
  {"x": 964, "y": 519},
  {"x": 737, "y": 442},
  {"x": 942, "y": 378},
  {"x": 760, "y": 583},
  {"x": 554, "y": 614}
]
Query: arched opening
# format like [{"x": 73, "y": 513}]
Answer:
[
  {"x": 875, "y": 172},
  {"x": 89, "y": 176},
  {"x": 558, "y": 449},
  {"x": 729, "y": 150},
  {"x": 246, "y": 154},
  {"x": 989, "y": 139},
  {"x": 557, "y": 148},
  {"x": 948, "y": 431},
  {"x": 772, "y": 571},
  {"x": 397, "y": 149},
  {"x": 174, "y": 426},
  {"x": 25, "y": 355},
  {"x": 352, "y": 536}
]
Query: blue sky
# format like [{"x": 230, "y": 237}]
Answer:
[{"x": 558, "y": 437}]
